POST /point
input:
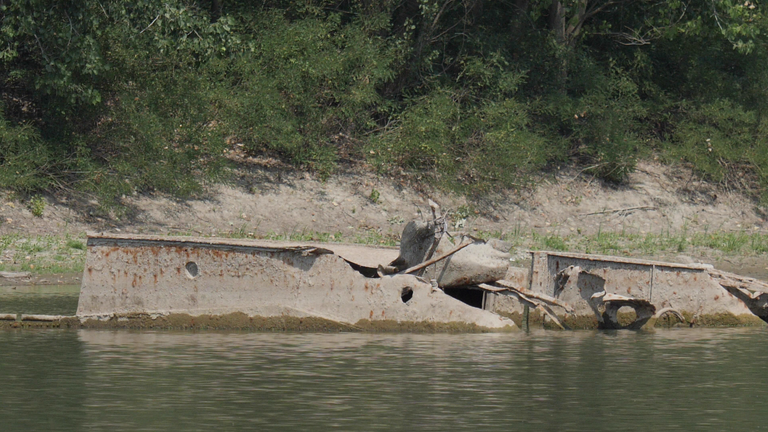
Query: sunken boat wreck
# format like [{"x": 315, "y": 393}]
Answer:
[{"x": 433, "y": 281}]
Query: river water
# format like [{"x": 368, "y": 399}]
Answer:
[{"x": 90, "y": 380}]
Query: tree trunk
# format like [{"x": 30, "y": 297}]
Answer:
[
  {"x": 557, "y": 24},
  {"x": 216, "y": 8}
]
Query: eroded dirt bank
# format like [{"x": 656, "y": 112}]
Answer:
[{"x": 265, "y": 200}]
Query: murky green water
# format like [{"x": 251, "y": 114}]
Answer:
[
  {"x": 40, "y": 299},
  {"x": 85, "y": 380}
]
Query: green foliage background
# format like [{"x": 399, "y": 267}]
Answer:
[{"x": 114, "y": 98}]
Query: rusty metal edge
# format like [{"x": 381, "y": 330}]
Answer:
[
  {"x": 623, "y": 260},
  {"x": 355, "y": 253},
  {"x": 227, "y": 241}
]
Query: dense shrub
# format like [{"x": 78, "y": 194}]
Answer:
[
  {"x": 472, "y": 135},
  {"x": 724, "y": 142},
  {"x": 308, "y": 82},
  {"x": 602, "y": 126},
  {"x": 121, "y": 97},
  {"x": 25, "y": 164}
]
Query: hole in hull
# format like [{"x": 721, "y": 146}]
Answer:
[
  {"x": 406, "y": 295},
  {"x": 191, "y": 270},
  {"x": 472, "y": 297},
  {"x": 626, "y": 315}
]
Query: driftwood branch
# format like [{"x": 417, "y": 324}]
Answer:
[
  {"x": 14, "y": 275},
  {"x": 150, "y": 24},
  {"x": 428, "y": 263},
  {"x": 534, "y": 300},
  {"x": 543, "y": 297},
  {"x": 622, "y": 210}
]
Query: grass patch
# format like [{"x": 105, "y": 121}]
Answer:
[
  {"x": 368, "y": 237},
  {"x": 743, "y": 243},
  {"x": 75, "y": 244},
  {"x": 42, "y": 254},
  {"x": 66, "y": 254}
]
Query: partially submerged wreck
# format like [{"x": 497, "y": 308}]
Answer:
[
  {"x": 615, "y": 293},
  {"x": 433, "y": 281},
  {"x": 133, "y": 276}
]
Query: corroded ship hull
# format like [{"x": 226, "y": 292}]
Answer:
[
  {"x": 133, "y": 276},
  {"x": 185, "y": 282}
]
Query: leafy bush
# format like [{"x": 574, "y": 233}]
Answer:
[
  {"x": 24, "y": 160},
  {"x": 308, "y": 83},
  {"x": 37, "y": 206},
  {"x": 602, "y": 125},
  {"x": 463, "y": 146},
  {"x": 118, "y": 97},
  {"x": 723, "y": 142},
  {"x": 161, "y": 136},
  {"x": 423, "y": 135}
]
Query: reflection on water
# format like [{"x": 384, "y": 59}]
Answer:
[
  {"x": 39, "y": 299},
  {"x": 687, "y": 379}
]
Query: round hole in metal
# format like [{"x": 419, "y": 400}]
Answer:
[
  {"x": 407, "y": 294},
  {"x": 192, "y": 270}
]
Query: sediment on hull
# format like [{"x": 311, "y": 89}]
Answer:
[
  {"x": 590, "y": 322},
  {"x": 241, "y": 321}
]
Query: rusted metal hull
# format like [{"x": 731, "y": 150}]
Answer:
[
  {"x": 597, "y": 287},
  {"x": 138, "y": 275}
]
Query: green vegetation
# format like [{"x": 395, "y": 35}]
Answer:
[
  {"x": 743, "y": 243},
  {"x": 374, "y": 196},
  {"x": 368, "y": 237},
  {"x": 37, "y": 206},
  {"x": 42, "y": 254},
  {"x": 66, "y": 254},
  {"x": 113, "y": 98}
]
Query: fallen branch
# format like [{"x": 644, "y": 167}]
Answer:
[
  {"x": 622, "y": 210},
  {"x": 543, "y": 297},
  {"x": 533, "y": 300},
  {"x": 438, "y": 259},
  {"x": 14, "y": 275}
]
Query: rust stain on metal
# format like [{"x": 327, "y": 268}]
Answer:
[
  {"x": 463, "y": 281},
  {"x": 693, "y": 288}
]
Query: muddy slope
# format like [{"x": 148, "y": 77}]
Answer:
[{"x": 264, "y": 199}]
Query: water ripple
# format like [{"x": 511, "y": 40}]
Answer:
[{"x": 692, "y": 379}]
